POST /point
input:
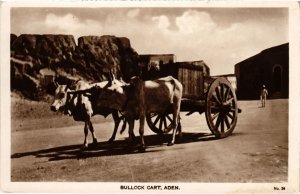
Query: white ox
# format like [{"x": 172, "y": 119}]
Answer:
[
  {"x": 140, "y": 98},
  {"x": 82, "y": 107}
]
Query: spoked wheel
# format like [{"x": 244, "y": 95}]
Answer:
[
  {"x": 221, "y": 108},
  {"x": 160, "y": 123}
]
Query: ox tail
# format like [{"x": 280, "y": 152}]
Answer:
[
  {"x": 176, "y": 86},
  {"x": 172, "y": 81}
]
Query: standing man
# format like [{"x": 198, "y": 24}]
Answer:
[{"x": 263, "y": 95}]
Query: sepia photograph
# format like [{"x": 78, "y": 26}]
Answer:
[{"x": 153, "y": 97}]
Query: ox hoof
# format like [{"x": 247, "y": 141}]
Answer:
[
  {"x": 95, "y": 142},
  {"x": 110, "y": 141},
  {"x": 84, "y": 147},
  {"x": 142, "y": 149},
  {"x": 170, "y": 143}
]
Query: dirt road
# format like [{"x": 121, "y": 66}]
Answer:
[{"x": 257, "y": 151}]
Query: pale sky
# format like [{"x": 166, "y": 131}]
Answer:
[{"x": 221, "y": 37}]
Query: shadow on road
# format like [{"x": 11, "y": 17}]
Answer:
[{"x": 119, "y": 147}]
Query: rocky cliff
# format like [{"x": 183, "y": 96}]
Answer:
[{"x": 37, "y": 59}]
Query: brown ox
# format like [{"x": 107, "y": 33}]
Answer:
[
  {"x": 82, "y": 107},
  {"x": 140, "y": 98}
]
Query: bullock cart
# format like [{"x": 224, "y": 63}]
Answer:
[{"x": 202, "y": 93}]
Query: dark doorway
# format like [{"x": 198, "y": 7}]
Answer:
[{"x": 277, "y": 79}]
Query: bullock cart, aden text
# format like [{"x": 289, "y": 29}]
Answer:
[{"x": 202, "y": 93}]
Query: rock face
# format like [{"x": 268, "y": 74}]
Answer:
[
  {"x": 108, "y": 53},
  {"x": 91, "y": 60}
]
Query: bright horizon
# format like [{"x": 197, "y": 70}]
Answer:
[{"x": 221, "y": 37}]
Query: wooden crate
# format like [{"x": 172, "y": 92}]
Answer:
[{"x": 192, "y": 81}]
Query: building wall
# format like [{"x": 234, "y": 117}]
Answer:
[
  {"x": 163, "y": 59},
  {"x": 145, "y": 60},
  {"x": 270, "y": 67},
  {"x": 46, "y": 76}
]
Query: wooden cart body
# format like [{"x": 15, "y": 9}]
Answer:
[{"x": 201, "y": 93}]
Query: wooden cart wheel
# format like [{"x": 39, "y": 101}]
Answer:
[
  {"x": 160, "y": 123},
  {"x": 221, "y": 108}
]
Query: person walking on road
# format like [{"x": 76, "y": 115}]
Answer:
[{"x": 263, "y": 96}]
